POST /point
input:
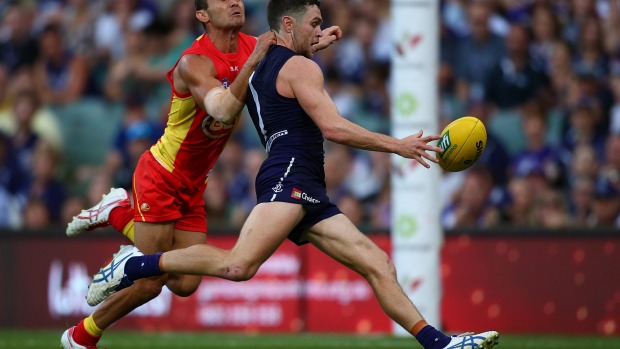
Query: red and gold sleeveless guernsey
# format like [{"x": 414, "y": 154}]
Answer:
[
  {"x": 193, "y": 140},
  {"x": 170, "y": 179}
]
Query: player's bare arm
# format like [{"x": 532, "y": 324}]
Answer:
[
  {"x": 223, "y": 104},
  {"x": 315, "y": 101}
]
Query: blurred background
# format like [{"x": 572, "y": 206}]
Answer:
[{"x": 83, "y": 93}]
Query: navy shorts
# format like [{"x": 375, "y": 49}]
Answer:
[{"x": 297, "y": 181}]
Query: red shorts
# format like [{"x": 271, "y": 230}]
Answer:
[{"x": 160, "y": 196}]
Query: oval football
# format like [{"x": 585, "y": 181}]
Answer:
[{"x": 463, "y": 142}]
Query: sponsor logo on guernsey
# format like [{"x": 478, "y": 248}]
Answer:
[
  {"x": 299, "y": 195},
  {"x": 215, "y": 129},
  {"x": 145, "y": 207},
  {"x": 273, "y": 138}
]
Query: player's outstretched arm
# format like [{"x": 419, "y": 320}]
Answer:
[
  {"x": 197, "y": 74},
  {"x": 315, "y": 101}
]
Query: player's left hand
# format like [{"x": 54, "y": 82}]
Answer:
[
  {"x": 264, "y": 42},
  {"x": 330, "y": 35},
  {"x": 416, "y": 147}
]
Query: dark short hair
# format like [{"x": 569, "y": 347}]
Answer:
[
  {"x": 280, "y": 8},
  {"x": 201, "y": 5}
]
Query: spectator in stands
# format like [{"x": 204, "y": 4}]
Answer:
[
  {"x": 611, "y": 167},
  {"x": 580, "y": 12},
  {"x": 546, "y": 34},
  {"x": 231, "y": 166},
  {"x": 135, "y": 136},
  {"x": 612, "y": 34},
  {"x": 71, "y": 207},
  {"x": 5, "y": 103},
  {"x": 590, "y": 57},
  {"x": 539, "y": 156},
  {"x": 245, "y": 201},
  {"x": 36, "y": 216},
  {"x": 373, "y": 101},
  {"x": 135, "y": 70},
  {"x": 338, "y": 165},
  {"x": 24, "y": 138},
  {"x": 121, "y": 17},
  {"x": 13, "y": 185},
  {"x": 478, "y": 53},
  {"x": 368, "y": 175},
  {"x": 551, "y": 211},
  {"x": 561, "y": 75},
  {"x": 516, "y": 78},
  {"x": 606, "y": 208},
  {"x": 184, "y": 29},
  {"x": 61, "y": 75},
  {"x": 77, "y": 21},
  {"x": 380, "y": 211},
  {"x": 353, "y": 209},
  {"x": 45, "y": 187},
  {"x": 18, "y": 48},
  {"x": 583, "y": 129},
  {"x": 352, "y": 52},
  {"x": 519, "y": 210},
  {"x": 216, "y": 201},
  {"x": 472, "y": 205},
  {"x": 584, "y": 164},
  {"x": 614, "y": 114},
  {"x": 581, "y": 200}
]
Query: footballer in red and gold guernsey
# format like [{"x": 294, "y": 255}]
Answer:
[{"x": 170, "y": 178}]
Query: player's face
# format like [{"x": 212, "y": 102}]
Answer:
[
  {"x": 225, "y": 14},
  {"x": 308, "y": 31}
]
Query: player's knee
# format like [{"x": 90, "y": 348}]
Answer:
[
  {"x": 149, "y": 288},
  {"x": 184, "y": 286},
  {"x": 383, "y": 265},
  {"x": 242, "y": 272}
]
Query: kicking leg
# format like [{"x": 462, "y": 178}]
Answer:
[{"x": 341, "y": 240}]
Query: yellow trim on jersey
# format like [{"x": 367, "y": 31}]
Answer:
[
  {"x": 137, "y": 204},
  {"x": 180, "y": 119}
]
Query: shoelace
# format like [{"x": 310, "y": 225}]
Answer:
[{"x": 465, "y": 334}]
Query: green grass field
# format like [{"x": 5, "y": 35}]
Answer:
[{"x": 134, "y": 340}]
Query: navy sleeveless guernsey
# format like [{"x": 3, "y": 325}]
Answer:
[{"x": 293, "y": 171}]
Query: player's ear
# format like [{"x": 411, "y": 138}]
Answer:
[
  {"x": 203, "y": 16},
  {"x": 287, "y": 24}
]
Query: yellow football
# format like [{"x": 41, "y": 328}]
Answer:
[{"x": 462, "y": 141}]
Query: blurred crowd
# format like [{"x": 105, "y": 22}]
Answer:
[{"x": 544, "y": 76}]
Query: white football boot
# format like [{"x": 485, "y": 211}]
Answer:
[
  {"x": 97, "y": 216},
  {"x": 111, "y": 278},
  {"x": 67, "y": 342},
  {"x": 484, "y": 340}
]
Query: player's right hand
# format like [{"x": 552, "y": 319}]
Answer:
[{"x": 263, "y": 44}]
